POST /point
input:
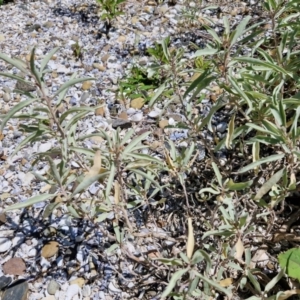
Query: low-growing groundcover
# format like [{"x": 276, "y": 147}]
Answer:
[{"x": 225, "y": 212}]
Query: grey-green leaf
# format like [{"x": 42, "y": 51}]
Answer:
[
  {"x": 172, "y": 283},
  {"x": 14, "y": 110},
  {"x": 268, "y": 184},
  {"x": 261, "y": 161},
  {"x": 29, "y": 202}
]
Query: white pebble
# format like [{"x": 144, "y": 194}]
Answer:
[{"x": 5, "y": 244}]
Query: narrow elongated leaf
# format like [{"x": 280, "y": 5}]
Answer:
[
  {"x": 265, "y": 64},
  {"x": 274, "y": 281},
  {"x": 89, "y": 153},
  {"x": 238, "y": 32},
  {"x": 21, "y": 65},
  {"x": 74, "y": 110},
  {"x": 269, "y": 184},
  {"x": 110, "y": 181},
  {"x": 46, "y": 59},
  {"x": 197, "y": 257},
  {"x": 214, "y": 284},
  {"x": 241, "y": 93},
  {"x": 96, "y": 168},
  {"x": 172, "y": 283},
  {"x": 272, "y": 127},
  {"x": 74, "y": 120},
  {"x": 63, "y": 93},
  {"x": 35, "y": 136},
  {"x": 127, "y": 136},
  {"x": 30, "y": 202},
  {"x": 259, "y": 128},
  {"x": 166, "y": 51},
  {"x": 145, "y": 175},
  {"x": 86, "y": 182},
  {"x": 209, "y": 190},
  {"x": 158, "y": 92},
  {"x": 206, "y": 51},
  {"x": 213, "y": 34},
  {"x": 191, "y": 239},
  {"x": 239, "y": 186},
  {"x": 169, "y": 261},
  {"x": 200, "y": 81},
  {"x": 207, "y": 119},
  {"x": 230, "y": 132},
  {"x": 261, "y": 161},
  {"x": 14, "y": 110},
  {"x": 12, "y": 76},
  {"x": 54, "y": 170},
  {"x": 218, "y": 174},
  {"x": 188, "y": 154},
  {"x": 131, "y": 146},
  {"x": 72, "y": 210},
  {"x": 72, "y": 82},
  {"x": 33, "y": 68},
  {"x": 253, "y": 281}
]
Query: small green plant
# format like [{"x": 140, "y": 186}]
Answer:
[
  {"x": 138, "y": 84},
  {"x": 110, "y": 9},
  {"x": 77, "y": 51}
]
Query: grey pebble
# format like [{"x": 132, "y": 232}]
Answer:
[
  {"x": 221, "y": 127},
  {"x": 6, "y": 97},
  {"x": 52, "y": 287}
]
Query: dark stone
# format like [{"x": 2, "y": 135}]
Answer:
[
  {"x": 25, "y": 87},
  {"x": 17, "y": 291},
  {"x": 121, "y": 123},
  {"x": 4, "y": 282},
  {"x": 34, "y": 27}
]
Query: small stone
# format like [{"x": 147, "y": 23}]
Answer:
[
  {"x": 221, "y": 127},
  {"x": 100, "y": 111},
  {"x": 123, "y": 115},
  {"x": 48, "y": 24},
  {"x": 105, "y": 57},
  {"x": 154, "y": 114},
  {"x": 72, "y": 290},
  {"x": 5, "y": 244},
  {"x": 62, "y": 69},
  {"x": 122, "y": 38},
  {"x": 14, "y": 266},
  {"x": 137, "y": 117},
  {"x": 84, "y": 96},
  {"x": 17, "y": 291},
  {"x": 52, "y": 287},
  {"x": 137, "y": 103},
  {"x": 4, "y": 281},
  {"x": 163, "y": 9},
  {"x": 121, "y": 123},
  {"x": 86, "y": 291},
  {"x": 50, "y": 249},
  {"x": 79, "y": 281},
  {"x": 2, "y": 37},
  {"x": 17, "y": 134},
  {"x": 87, "y": 85},
  {"x": 99, "y": 67},
  {"x": 25, "y": 87},
  {"x": 113, "y": 288},
  {"x": 45, "y": 147},
  {"x": 163, "y": 123},
  {"x": 143, "y": 61},
  {"x": 6, "y": 97}
]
